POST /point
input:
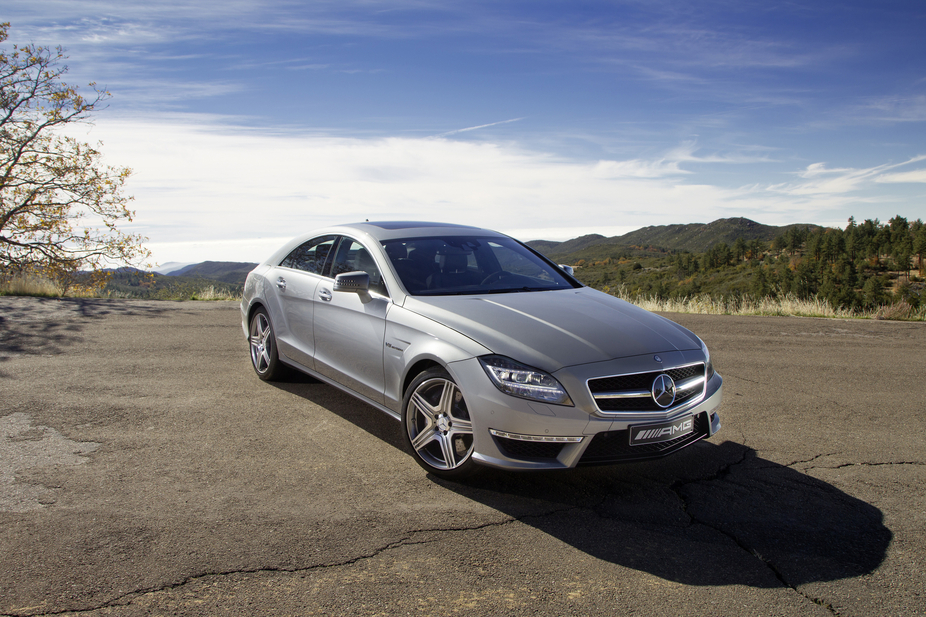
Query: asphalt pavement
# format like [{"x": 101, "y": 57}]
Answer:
[{"x": 145, "y": 470}]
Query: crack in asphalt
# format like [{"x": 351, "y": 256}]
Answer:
[
  {"x": 870, "y": 464},
  {"x": 727, "y": 373},
  {"x": 720, "y": 474},
  {"x": 811, "y": 459},
  {"x": 127, "y": 598},
  {"x": 856, "y": 464}
]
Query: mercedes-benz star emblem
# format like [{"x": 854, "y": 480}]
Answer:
[{"x": 664, "y": 390}]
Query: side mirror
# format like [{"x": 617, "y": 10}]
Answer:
[
  {"x": 357, "y": 282},
  {"x": 566, "y": 269}
]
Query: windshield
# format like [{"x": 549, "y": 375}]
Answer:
[{"x": 458, "y": 265}]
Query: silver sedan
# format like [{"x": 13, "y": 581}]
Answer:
[{"x": 488, "y": 353}]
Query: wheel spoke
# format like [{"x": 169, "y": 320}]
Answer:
[
  {"x": 424, "y": 408},
  {"x": 265, "y": 358},
  {"x": 446, "y": 446},
  {"x": 255, "y": 351},
  {"x": 446, "y": 398},
  {"x": 424, "y": 438},
  {"x": 462, "y": 427}
]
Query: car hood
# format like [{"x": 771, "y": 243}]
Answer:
[{"x": 553, "y": 329}]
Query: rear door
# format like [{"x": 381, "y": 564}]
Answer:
[{"x": 295, "y": 281}]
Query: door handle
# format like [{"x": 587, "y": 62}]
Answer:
[
  {"x": 281, "y": 283},
  {"x": 325, "y": 295}
]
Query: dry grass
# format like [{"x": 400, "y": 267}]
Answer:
[
  {"x": 787, "y": 306},
  {"x": 211, "y": 293},
  {"x": 901, "y": 311},
  {"x": 25, "y": 285},
  {"x": 40, "y": 286}
]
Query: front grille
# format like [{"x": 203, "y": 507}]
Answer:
[
  {"x": 643, "y": 382},
  {"x": 614, "y": 446},
  {"x": 515, "y": 448}
]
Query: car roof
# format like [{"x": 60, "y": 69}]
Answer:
[{"x": 392, "y": 230}]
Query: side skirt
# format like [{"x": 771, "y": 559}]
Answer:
[{"x": 292, "y": 363}]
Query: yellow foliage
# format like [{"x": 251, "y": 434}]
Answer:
[{"x": 60, "y": 207}]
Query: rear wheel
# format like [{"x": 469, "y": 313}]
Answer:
[
  {"x": 438, "y": 427},
  {"x": 263, "y": 343}
]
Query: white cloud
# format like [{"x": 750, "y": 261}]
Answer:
[
  {"x": 210, "y": 191},
  {"x": 669, "y": 164},
  {"x": 917, "y": 175},
  {"x": 819, "y": 169},
  {"x": 637, "y": 168}
]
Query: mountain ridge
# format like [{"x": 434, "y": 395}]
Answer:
[
  {"x": 233, "y": 272},
  {"x": 691, "y": 237}
]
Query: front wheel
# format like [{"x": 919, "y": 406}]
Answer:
[{"x": 438, "y": 427}]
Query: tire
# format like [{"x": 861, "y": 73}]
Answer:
[
  {"x": 438, "y": 427},
  {"x": 263, "y": 344}
]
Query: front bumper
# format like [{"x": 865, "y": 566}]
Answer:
[{"x": 516, "y": 434}]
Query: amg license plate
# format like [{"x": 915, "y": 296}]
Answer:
[{"x": 655, "y": 433}]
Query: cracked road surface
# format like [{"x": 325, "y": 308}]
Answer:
[{"x": 145, "y": 470}]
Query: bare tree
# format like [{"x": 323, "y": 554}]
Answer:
[{"x": 60, "y": 207}]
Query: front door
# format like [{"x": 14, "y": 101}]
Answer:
[{"x": 350, "y": 328}]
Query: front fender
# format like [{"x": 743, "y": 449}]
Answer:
[{"x": 411, "y": 340}]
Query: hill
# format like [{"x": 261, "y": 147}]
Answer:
[
  {"x": 862, "y": 267},
  {"x": 232, "y": 272},
  {"x": 694, "y": 237},
  {"x": 225, "y": 278}
]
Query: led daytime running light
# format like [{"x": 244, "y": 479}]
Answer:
[
  {"x": 540, "y": 438},
  {"x": 523, "y": 381}
]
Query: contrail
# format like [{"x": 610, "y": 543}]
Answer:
[{"x": 481, "y": 126}]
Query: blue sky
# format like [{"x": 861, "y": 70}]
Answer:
[{"x": 248, "y": 122}]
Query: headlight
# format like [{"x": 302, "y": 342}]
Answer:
[
  {"x": 708, "y": 365},
  {"x": 523, "y": 381}
]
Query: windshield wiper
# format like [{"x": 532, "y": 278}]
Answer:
[
  {"x": 434, "y": 292},
  {"x": 514, "y": 290},
  {"x": 479, "y": 292}
]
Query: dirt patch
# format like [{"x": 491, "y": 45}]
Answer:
[{"x": 24, "y": 447}]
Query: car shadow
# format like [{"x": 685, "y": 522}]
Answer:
[
  {"x": 713, "y": 514},
  {"x": 347, "y": 407}
]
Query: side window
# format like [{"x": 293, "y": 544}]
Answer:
[
  {"x": 310, "y": 256},
  {"x": 353, "y": 257}
]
